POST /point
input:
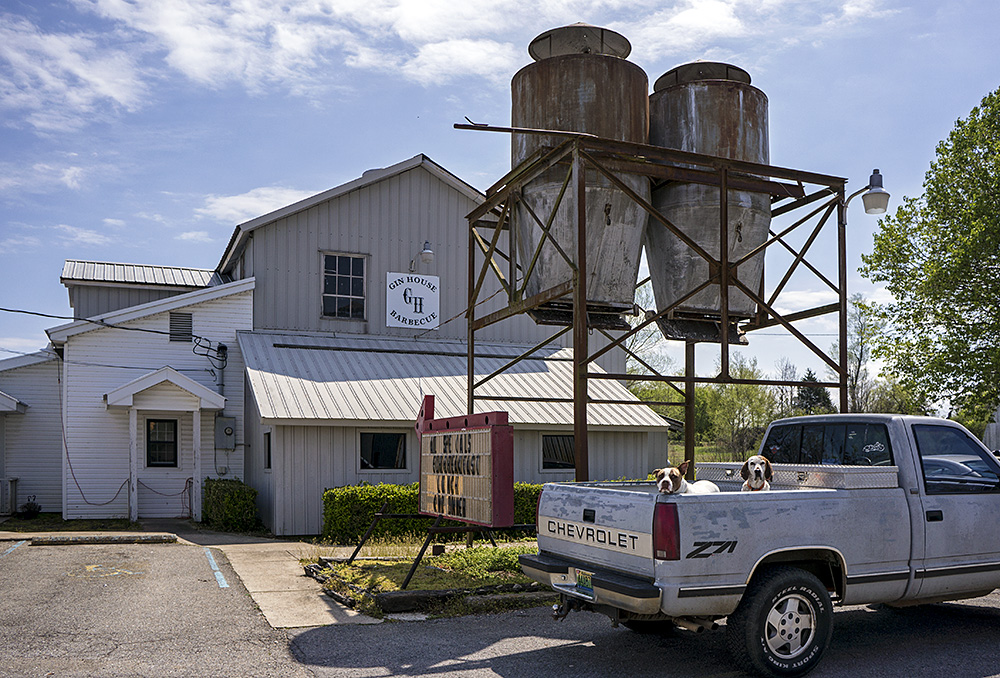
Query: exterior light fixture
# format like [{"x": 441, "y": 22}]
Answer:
[
  {"x": 876, "y": 199},
  {"x": 426, "y": 256}
]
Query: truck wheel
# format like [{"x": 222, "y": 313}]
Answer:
[{"x": 782, "y": 624}]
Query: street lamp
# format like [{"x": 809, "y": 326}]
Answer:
[{"x": 875, "y": 198}]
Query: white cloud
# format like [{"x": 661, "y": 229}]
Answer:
[
  {"x": 82, "y": 236},
  {"x": 435, "y": 63},
  {"x": 196, "y": 236},
  {"x": 235, "y": 209},
  {"x": 19, "y": 243},
  {"x": 54, "y": 79},
  {"x": 115, "y": 223}
]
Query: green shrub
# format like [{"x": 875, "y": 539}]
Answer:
[
  {"x": 348, "y": 512},
  {"x": 229, "y": 505}
]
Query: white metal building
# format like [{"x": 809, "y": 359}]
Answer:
[{"x": 338, "y": 319}]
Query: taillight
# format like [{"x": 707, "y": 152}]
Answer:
[
  {"x": 538, "y": 508},
  {"x": 666, "y": 532}
]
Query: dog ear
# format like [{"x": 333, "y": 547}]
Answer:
[
  {"x": 745, "y": 470},
  {"x": 767, "y": 469},
  {"x": 683, "y": 466}
]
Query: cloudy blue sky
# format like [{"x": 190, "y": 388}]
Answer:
[{"x": 143, "y": 131}]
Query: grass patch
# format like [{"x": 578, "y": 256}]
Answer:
[
  {"x": 482, "y": 569},
  {"x": 53, "y": 522}
]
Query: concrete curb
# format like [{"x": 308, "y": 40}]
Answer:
[{"x": 76, "y": 539}]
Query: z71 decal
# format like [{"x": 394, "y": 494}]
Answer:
[{"x": 707, "y": 549}]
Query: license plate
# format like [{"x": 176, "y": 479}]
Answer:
[{"x": 585, "y": 581}]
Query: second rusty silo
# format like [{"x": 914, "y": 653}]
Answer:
[
  {"x": 580, "y": 82},
  {"x": 708, "y": 108}
]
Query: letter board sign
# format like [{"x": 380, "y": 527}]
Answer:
[{"x": 466, "y": 467}]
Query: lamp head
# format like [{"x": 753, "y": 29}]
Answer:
[
  {"x": 427, "y": 254},
  {"x": 876, "y": 198}
]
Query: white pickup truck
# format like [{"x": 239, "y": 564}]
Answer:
[{"x": 862, "y": 509}]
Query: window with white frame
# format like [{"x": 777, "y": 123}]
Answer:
[
  {"x": 344, "y": 286},
  {"x": 161, "y": 443},
  {"x": 381, "y": 450}
]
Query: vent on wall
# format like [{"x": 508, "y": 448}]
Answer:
[{"x": 181, "y": 327}]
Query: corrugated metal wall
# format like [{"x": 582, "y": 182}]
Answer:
[
  {"x": 388, "y": 222},
  {"x": 307, "y": 460},
  {"x": 100, "y": 361},
  {"x": 33, "y": 440},
  {"x": 91, "y": 300}
]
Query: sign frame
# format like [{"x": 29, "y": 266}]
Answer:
[{"x": 457, "y": 445}]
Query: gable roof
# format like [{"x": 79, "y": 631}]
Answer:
[
  {"x": 103, "y": 272},
  {"x": 11, "y": 405},
  {"x": 242, "y": 232},
  {"x": 27, "y": 360},
  {"x": 61, "y": 333},
  {"x": 123, "y": 395},
  {"x": 323, "y": 380}
]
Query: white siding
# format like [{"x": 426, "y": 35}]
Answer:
[
  {"x": 97, "y": 362},
  {"x": 32, "y": 441}
]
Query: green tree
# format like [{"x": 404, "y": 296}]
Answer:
[
  {"x": 888, "y": 395},
  {"x": 740, "y": 412},
  {"x": 862, "y": 327},
  {"x": 939, "y": 257},
  {"x": 812, "y": 398}
]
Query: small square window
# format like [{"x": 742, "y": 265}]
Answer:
[
  {"x": 558, "y": 453},
  {"x": 161, "y": 442},
  {"x": 385, "y": 451},
  {"x": 344, "y": 286}
]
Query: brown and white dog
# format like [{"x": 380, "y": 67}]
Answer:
[
  {"x": 756, "y": 473},
  {"x": 671, "y": 481}
]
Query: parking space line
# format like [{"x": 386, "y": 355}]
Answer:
[
  {"x": 12, "y": 548},
  {"x": 223, "y": 584}
]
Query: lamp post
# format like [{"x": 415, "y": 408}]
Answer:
[{"x": 876, "y": 201}]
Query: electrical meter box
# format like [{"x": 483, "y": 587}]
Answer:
[{"x": 225, "y": 433}]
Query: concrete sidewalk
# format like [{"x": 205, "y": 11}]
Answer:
[{"x": 269, "y": 569}]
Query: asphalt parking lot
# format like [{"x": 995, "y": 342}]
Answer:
[
  {"x": 165, "y": 610},
  {"x": 131, "y": 610}
]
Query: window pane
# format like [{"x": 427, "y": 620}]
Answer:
[
  {"x": 357, "y": 287},
  {"x": 812, "y": 444},
  {"x": 329, "y": 284},
  {"x": 358, "y": 266},
  {"x": 867, "y": 445},
  {"x": 330, "y": 306},
  {"x": 161, "y": 442},
  {"x": 833, "y": 444},
  {"x": 343, "y": 307},
  {"x": 558, "y": 452},
  {"x": 344, "y": 265},
  {"x": 330, "y": 264},
  {"x": 358, "y": 309},
  {"x": 952, "y": 462},
  {"x": 782, "y": 445},
  {"x": 343, "y": 285},
  {"x": 383, "y": 450}
]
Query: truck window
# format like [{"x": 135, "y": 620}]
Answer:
[
  {"x": 852, "y": 444},
  {"x": 782, "y": 444},
  {"x": 867, "y": 445},
  {"x": 952, "y": 462}
]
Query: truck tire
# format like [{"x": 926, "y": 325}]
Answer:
[{"x": 782, "y": 624}]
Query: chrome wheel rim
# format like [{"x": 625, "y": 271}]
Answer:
[{"x": 790, "y": 626}]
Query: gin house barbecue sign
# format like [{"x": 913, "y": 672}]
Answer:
[{"x": 466, "y": 467}]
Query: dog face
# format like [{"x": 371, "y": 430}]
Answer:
[
  {"x": 756, "y": 471},
  {"x": 671, "y": 480}
]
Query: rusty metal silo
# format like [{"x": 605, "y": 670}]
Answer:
[
  {"x": 709, "y": 108},
  {"x": 580, "y": 82}
]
